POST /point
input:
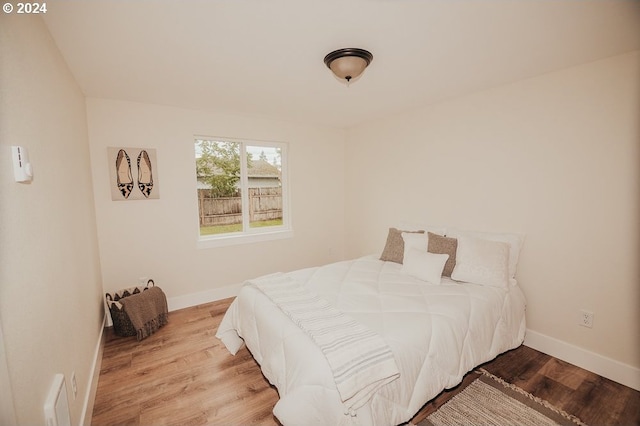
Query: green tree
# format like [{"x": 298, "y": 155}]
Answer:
[{"x": 218, "y": 165}]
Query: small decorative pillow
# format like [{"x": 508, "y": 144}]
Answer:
[
  {"x": 482, "y": 262},
  {"x": 424, "y": 265},
  {"x": 394, "y": 247},
  {"x": 444, "y": 245},
  {"x": 414, "y": 240}
]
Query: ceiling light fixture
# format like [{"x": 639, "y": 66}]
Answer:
[{"x": 348, "y": 63}]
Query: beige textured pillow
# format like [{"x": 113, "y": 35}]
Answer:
[
  {"x": 444, "y": 245},
  {"x": 394, "y": 247}
]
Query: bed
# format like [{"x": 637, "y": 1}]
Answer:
[{"x": 439, "y": 318}]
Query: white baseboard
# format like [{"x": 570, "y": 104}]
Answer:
[
  {"x": 601, "y": 365},
  {"x": 193, "y": 299},
  {"x": 92, "y": 385}
]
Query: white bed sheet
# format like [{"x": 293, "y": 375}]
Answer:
[{"x": 437, "y": 333}]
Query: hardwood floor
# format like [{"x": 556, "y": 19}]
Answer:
[
  {"x": 592, "y": 398},
  {"x": 183, "y": 375}
]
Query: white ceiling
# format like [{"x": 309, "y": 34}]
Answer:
[{"x": 265, "y": 57}]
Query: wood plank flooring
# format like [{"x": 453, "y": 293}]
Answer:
[{"x": 183, "y": 375}]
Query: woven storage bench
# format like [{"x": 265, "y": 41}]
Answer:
[{"x": 121, "y": 323}]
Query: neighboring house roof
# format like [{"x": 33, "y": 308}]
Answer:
[
  {"x": 262, "y": 169},
  {"x": 258, "y": 169}
]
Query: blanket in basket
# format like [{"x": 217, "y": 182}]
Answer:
[{"x": 147, "y": 310}]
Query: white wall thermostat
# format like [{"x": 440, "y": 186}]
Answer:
[{"x": 21, "y": 166}]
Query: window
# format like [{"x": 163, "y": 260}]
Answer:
[{"x": 242, "y": 190}]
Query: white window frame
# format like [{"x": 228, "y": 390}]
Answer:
[{"x": 252, "y": 235}]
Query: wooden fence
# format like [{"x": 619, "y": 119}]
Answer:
[{"x": 264, "y": 204}]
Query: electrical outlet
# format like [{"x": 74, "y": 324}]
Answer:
[
  {"x": 143, "y": 281},
  {"x": 586, "y": 319},
  {"x": 74, "y": 385}
]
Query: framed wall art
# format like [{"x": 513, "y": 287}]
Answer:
[{"x": 133, "y": 173}]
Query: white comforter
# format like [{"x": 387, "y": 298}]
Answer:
[{"x": 437, "y": 333}]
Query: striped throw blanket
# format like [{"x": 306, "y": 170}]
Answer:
[{"x": 361, "y": 361}]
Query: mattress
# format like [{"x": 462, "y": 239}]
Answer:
[{"x": 437, "y": 333}]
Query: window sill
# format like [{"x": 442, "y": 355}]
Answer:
[{"x": 247, "y": 238}]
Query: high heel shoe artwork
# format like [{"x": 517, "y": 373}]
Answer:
[
  {"x": 145, "y": 174},
  {"x": 123, "y": 173},
  {"x": 133, "y": 173}
]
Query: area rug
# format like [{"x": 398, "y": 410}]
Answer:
[{"x": 489, "y": 400}]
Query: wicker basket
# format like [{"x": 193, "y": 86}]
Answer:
[{"x": 122, "y": 325}]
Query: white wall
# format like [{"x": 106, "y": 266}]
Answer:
[
  {"x": 50, "y": 289},
  {"x": 157, "y": 238},
  {"x": 555, "y": 157}
]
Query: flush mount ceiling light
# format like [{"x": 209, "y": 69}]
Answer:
[{"x": 348, "y": 63}]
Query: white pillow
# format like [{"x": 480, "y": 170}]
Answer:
[
  {"x": 424, "y": 265},
  {"x": 412, "y": 226},
  {"x": 514, "y": 240},
  {"x": 482, "y": 262},
  {"x": 415, "y": 240}
]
